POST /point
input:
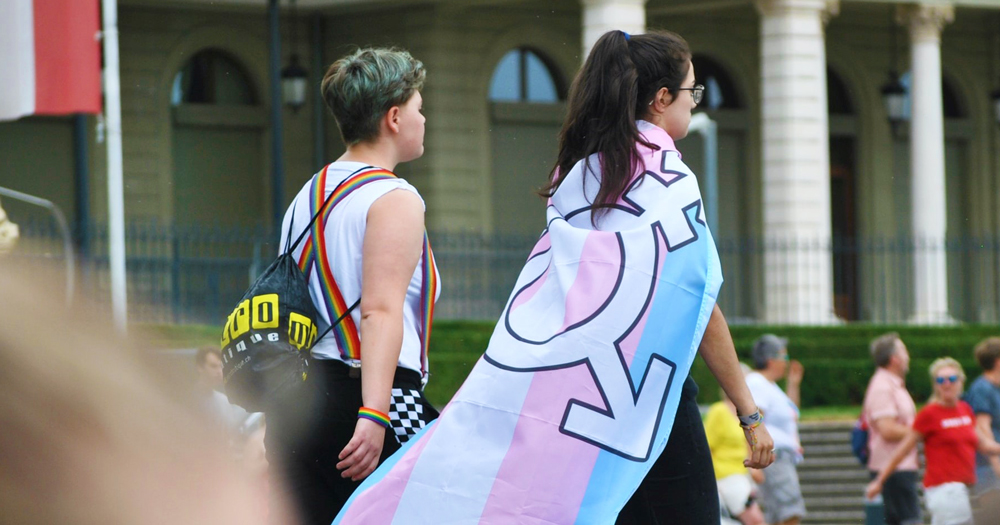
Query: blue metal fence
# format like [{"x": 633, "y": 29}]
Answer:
[{"x": 182, "y": 274}]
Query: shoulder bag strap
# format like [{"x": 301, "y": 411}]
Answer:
[{"x": 315, "y": 254}]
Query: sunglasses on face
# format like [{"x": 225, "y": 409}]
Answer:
[{"x": 946, "y": 379}]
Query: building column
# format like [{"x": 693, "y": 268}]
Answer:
[
  {"x": 927, "y": 167},
  {"x": 798, "y": 279},
  {"x": 601, "y": 16}
]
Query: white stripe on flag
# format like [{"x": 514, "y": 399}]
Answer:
[{"x": 17, "y": 59}]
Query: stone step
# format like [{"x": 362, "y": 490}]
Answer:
[
  {"x": 829, "y": 489},
  {"x": 834, "y": 517},
  {"x": 830, "y": 462},
  {"x": 825, "y": 438},
  {"x": 857, "y": 501},
  {"x": 832, "y": 476},
  {"x": 830, "y": 449}
]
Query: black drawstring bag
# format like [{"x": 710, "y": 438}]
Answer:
[{"x": 267, "y": 338}]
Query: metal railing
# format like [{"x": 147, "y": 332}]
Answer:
[{"x": 196, "y": 274}]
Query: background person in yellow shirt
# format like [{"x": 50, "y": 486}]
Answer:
[{"x": 729, "y": 449}]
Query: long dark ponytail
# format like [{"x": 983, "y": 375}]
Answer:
[{"x": 617, "y": 81}]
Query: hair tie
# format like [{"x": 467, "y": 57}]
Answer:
[{"x": 627, "y": 36}]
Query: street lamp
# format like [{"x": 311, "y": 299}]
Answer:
[
  {"x": 294, "y": 79},
  {"x": 894, "y": 100}
]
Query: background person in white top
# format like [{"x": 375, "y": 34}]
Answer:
[
  {"x": 374, "y": 243},
  {"x": 781, "y": 495}
]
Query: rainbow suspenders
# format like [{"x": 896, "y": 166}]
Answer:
[{"x": 344, "y": 329}]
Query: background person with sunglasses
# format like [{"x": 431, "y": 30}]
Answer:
[{"x": 947, "y": 427}]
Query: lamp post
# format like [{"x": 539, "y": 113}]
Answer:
[{"x": 294, "y": 77}]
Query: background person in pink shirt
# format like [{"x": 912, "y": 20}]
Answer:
[
  {"x": 890, "y": 412},
  {"x": 948, "y": 429}
]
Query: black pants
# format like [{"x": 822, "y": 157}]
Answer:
[
  {"x": 680, "y": 489},
  {"x": 303, "y": 449},
  {"x": 900, "y": 498}
]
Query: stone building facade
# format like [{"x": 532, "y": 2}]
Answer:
[{"x": 808, "y": 159}]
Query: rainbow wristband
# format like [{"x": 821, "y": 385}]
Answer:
[
  {"x": 373, "y": 415},
  {"x": 752, "y": 421}
]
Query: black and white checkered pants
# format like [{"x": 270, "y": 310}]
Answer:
[{"x": 408, "y": 413}]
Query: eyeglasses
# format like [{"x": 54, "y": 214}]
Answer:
[
  {"x": 697, "y": 92},
  {"x": 947, "y": 379}
]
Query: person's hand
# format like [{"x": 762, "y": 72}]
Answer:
[
  {"x": 757, "y": 476},
  {"x": 873, "y": 489},
  {"x": 761, "y": 447},
  {"x": 795, "y": 372},
  {"x": 360, "y": 457}
]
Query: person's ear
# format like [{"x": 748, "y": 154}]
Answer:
[
  {"x": 392, "y": 119},
  {"x": 663, "y": 99}
]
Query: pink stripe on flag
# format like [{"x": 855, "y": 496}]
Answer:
[
  {"x": 595, "y": 277},
  {"x": 545, "y": 474}
]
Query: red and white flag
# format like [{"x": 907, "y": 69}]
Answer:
[{"x": 50, "y": 57}]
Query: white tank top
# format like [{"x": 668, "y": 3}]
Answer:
[{"x": 345, "y": 234}]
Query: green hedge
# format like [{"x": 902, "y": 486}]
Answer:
[{"x": 836, "y": 360}]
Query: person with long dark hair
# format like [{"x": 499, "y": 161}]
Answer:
[
  {"x": 583, "y": 380},
  {"x": 629, "y": 84}
]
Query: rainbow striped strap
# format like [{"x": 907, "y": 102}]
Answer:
[
  {"x": 344, "y": 328},
  {"x": 314, "y": 254},
  {"x": 373, "y": 415},
  {"x": 428, "y": 295}
]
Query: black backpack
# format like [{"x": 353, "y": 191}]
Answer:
[{"x": 267, "y": 338}]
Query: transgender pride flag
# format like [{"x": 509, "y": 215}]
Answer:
[
  {"x": 50, "y": 57},
  {"x": 576, "y": 394}
]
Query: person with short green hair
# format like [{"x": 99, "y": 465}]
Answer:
[
  {"x": 361, "y": 87},
  {"x": 366, "y": 376}
]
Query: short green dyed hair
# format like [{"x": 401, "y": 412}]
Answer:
[{"x": 361, "y": 87}]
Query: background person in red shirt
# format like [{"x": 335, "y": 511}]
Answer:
[{"x": 948, "y": 429}]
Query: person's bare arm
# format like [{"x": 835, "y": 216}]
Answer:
[
  {"x": 392, "y": 247},
  {"x": 984, "y": 424},
  {"x": 890, "y": 429},
  {"x": 720, "y": 355},
  {"x": 987, "y": 445},
  {"x": 794, "y": 381},
  {"x": 909, "y": 441}
]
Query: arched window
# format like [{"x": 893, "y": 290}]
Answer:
[
  {"x": 838, "y": 97},
  {"x": 212, "y": 77},
  {"x": 523, "y": 75},
  {"x": 720, "y": 90}
]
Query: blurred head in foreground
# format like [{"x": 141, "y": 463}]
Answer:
[{"x": 92, "y": 435}]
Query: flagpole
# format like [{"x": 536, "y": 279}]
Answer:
[{"x": 116, "y": 199}]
